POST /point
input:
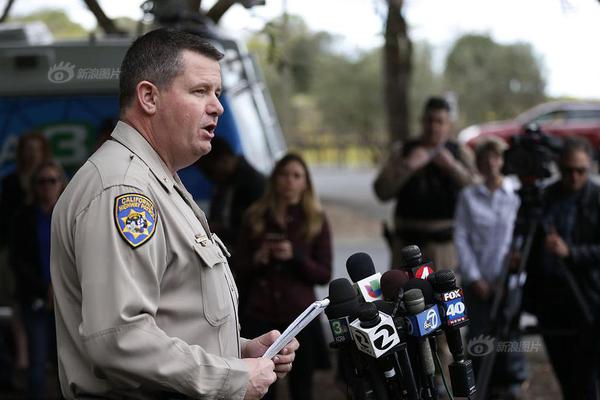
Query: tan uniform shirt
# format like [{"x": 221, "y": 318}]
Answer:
[{"x": 145, "y": 301}]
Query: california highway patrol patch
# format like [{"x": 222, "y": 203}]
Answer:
[{"x": 135, "y": 216}]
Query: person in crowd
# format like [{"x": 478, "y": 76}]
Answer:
[
  {"x": 237, "y": 184},
  {"x": 424, "y": 176},
  {"x": 567, "y": 244},
  {"x": 285, "y": 250},
  {"x": 145, "y": 303},
  {"x": 32, "y": 149},
  {"x": 484, "y": 221},
  {"x": 29, "y": 251}
]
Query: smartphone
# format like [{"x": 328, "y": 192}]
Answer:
[{"x": 274, "y": 237}]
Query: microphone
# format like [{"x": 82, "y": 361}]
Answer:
[
  {"x": 392, "y": 284},
  {"x": 375, "y": 334},
  {"x": 403, "y": 361},
  {"x": 392, "y": 290},
  {"x": 362, "y": 271},
  {"x": 422, "y": 322},
  {"x": 450, "y": 299},
  {"x": 356, "y": 370},
  {"x": 342, "y": 307},
  {"x": 423, "y": 285},
  {"x": 412, "y": 262}
]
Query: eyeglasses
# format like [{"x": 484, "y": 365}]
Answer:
[
  {"x": 571, "y": 170},
  {"x": 46, "y": 181}
]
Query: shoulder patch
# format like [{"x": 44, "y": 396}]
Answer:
[{"x": 135, "y": 216}]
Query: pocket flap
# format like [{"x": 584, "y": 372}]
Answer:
[
  {"x": 221, "y": 245},
  {"x": 210, "y": 254}
]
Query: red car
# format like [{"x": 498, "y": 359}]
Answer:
[{"x": 561, "y": 119}]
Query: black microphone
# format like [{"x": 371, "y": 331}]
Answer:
[
  {"x": 362, "y": 272},
  {"x": 412, "y": 262},
  {"x": 422, "y": 323},
  {"x": 342, "y": 308},
  {"x": 375, "y": 334},
  {"x": 392, "y": 289},
  {"x": 356, "y": 370},
  {"x": 403, "y": 360},
  {"x": 450, "y": 299},
  {"x": 423, "y": 285}
]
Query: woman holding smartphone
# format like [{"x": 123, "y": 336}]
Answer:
[{"x": 284, "y": 251}]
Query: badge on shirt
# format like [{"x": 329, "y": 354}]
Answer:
[{"x": 135, "y": 216}]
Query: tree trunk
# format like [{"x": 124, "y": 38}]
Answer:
[{"x": 397, "y": 68}]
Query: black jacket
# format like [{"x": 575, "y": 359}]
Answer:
[
  {"x": 246, "y": 186},
  {"x": 24, "y": 258},
  {"x": 430, "y": 194},
  {"x": 546, "y": 292}
]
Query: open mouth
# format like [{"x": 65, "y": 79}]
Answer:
[{"x": 210, "y": 128}]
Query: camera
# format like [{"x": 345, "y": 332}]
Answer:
[{"x": 531, "y": 154}]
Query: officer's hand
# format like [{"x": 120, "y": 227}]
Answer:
[
  {"x": 261, "y": 377},
  {"x": 417, "y": 158},
  {"x": 283, "y": 360}
]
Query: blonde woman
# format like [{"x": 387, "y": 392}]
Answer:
[{"x": 284, "y": 251}]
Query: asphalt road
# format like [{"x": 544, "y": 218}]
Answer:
[{"x": 356, "y": 216}]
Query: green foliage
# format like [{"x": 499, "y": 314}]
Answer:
[
  {"x": 57, "y": 21},
  {"x": 322, "y": 94},
  {"x": 317, "y": 91},
  {"x": 493, "y": 81}
]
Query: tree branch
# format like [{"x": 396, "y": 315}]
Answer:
[
  {"x": 220, "y": 8},
  {"x": 107, "y": 24},
  {"x": 7, "y": 8}
]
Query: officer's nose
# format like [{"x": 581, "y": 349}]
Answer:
[{"x": 214, "y": 107}]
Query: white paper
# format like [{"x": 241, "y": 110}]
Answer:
[{"x": 295, "y": 327}]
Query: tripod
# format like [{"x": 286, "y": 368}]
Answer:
[{"x": 506, "y": 305}]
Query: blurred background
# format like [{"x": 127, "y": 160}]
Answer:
[{"x": 339, "y": 82}]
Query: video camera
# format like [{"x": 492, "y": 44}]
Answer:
[{"x": 531, "y": 154}]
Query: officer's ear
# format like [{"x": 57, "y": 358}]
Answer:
[{"x": 146, "y": 95}]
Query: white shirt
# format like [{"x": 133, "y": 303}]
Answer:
[{"x": 484, "y": 222}]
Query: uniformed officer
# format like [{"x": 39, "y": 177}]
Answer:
[{"x": 146, "y": 306}]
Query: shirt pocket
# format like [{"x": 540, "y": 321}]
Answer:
[{"x": 216, "y": 296}]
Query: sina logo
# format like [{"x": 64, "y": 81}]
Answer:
[{"x": 374, "y": 289}]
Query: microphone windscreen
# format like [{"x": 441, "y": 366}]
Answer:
[
  {"x": 385, "y": 306},
  {"x": 391, "y": 283},
  {"x": 367, "y": 312},
  {"x": 343, "y": 301},
  {"x": 442, "y": 280},
  {"x": 411, "y": 256},
  {"x": 416, "y": 283},
  {"x": 359, "y": 266}
]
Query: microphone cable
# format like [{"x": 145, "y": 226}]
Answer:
[{"x": 438, "y": 363}]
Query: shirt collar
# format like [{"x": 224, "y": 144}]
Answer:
[
  {"x": 138, "y": 145},
  {"x": 506, "y": 187}
]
